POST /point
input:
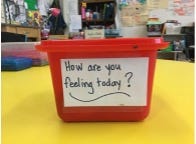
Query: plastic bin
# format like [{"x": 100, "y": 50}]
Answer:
[
  {"x": 103, "y": 79},
  {"x": 25, "y": 49}
]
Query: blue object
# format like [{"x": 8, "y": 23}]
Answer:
[{"x": 11, "y": 63}]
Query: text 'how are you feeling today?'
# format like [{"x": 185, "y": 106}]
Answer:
[{"x": 102, "y": 82}]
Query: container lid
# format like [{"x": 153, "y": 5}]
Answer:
[{"x": 103, "y": 45}]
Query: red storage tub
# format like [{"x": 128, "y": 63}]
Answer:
[{"x": 102, "y": 79}]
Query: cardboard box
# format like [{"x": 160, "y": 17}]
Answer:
[{"x": 94, "y": 34}]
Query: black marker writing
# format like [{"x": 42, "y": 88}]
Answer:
[
  {"x": 129, "y": 75},
  {"x": 70, "y": 67},
  {"x": 94, "y": 67},
  {"x": 109, "y": 83},
  {"x": 111, "y": 67},
  {"x": 79, "y": 83},
  {"x": 109, "y": 94}
]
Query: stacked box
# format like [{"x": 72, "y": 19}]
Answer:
[{"x": 11, "y": 63}]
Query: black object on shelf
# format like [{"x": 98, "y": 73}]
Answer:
[
  {"x": 12, "y": 37},
  {"x": 190, "y": 53},
  {"x": 97, "y": 12},
  {"x": 188, "y": 30}
]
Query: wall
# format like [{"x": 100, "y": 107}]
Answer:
[
  {"x": 136, "y": 31},
  {"x": 164, "y": 15}
]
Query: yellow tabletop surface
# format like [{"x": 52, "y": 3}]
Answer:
[{"x": 29, "y": 113}]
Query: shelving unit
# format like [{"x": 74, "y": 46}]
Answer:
[
  {"x": 178, "y": 44},
  {"x": 173, "y": 53},
  {"x": 97, "y": 13}
]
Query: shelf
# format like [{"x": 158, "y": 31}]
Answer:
[
  {"x": 170, "y": 51},
  {"x": 160, "y": 35},
  {"x": 30, "y": 32},
  {"x": 171, "y": 55},
  {"x": 154, "y": 35},
  {"x": 173, "y": 34},
  {"x": 100, "y": 20},
  {"x": 97, "y": 1}
]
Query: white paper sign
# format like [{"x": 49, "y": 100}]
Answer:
[
  {"x": 105, "y": 81},
  {"x": 75, "y": 22}
]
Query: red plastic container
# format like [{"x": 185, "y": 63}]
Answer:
[{"x": 103, "y": 79}]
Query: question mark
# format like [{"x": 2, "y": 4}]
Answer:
[{"x": 129, "y": 75}]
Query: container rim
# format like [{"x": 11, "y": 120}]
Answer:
[{"x": 94, "y": 45}]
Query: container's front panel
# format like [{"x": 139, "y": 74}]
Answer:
[{"x": 86, "y": 89}]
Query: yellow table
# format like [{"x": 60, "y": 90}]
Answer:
[{"x": 29, "y": 113}]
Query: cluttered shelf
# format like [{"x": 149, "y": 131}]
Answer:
[
  {"x": 176, "y": 49},
  {"x": 179, "y": 37},
  {"x": 94, "y": 11},
  {"x": 29, "y": 31}
]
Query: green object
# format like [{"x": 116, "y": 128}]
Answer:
[
  {"x": 32, "y": 4},
  {"x": 168, "y": 49}
]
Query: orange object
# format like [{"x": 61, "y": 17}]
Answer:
[{"x": 103, "y": 79}]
